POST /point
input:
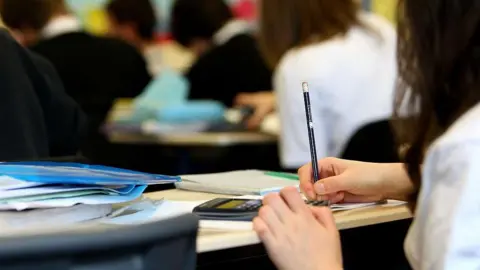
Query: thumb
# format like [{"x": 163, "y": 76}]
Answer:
[{"x": 330, "y": 185}]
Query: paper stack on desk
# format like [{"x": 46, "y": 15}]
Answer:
[
  {"x": 248, "y": 182},
  {"x": 75, "y": 192},
  {"x": 148, "y": 211}
]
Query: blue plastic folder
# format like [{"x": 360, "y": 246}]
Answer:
[{"x": 80, "y": 174}]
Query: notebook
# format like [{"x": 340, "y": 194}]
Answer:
[{"x": 248, "y": 182}]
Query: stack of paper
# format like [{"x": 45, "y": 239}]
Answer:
[
  {"x": 64, "y": 188},
  {"x": 249, "y": 182}
]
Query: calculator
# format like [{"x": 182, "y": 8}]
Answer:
[
  {"x": 235, "y": 209},
  {"x": 228, "y": 209}
]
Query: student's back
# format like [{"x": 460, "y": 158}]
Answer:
[
  {"x": 351, "y": 80},
  {"x": 229, "y": 61},
  {"x": 229, "y": 69},
  {"x": 95, "y": 72},
  {"x": 38, "y": 119}
]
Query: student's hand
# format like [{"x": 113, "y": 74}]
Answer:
[
  {"x": 263, "y": 103},
  {"x": 354, "y": 181},
  {"x": 297, "y": 236}
]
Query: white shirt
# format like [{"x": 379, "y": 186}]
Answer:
[
  {"x": 61, "y": 25},
  {"x": 445, "y": 234},
  {"x": 351, "y": 80},
  {"x": 232, "y": 28}
]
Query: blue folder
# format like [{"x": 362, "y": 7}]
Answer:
[{"x": 83, "y": 174}]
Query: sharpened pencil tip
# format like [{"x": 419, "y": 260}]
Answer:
[{"x": 305, "y": 87}]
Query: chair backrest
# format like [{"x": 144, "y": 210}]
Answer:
[
  {"x": 374, "y": 142},
  {"x": 169, "y": 244}
]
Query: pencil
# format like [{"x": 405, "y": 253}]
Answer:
[{"x": 311, "y": 132}]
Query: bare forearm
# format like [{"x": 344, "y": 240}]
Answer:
[{"x": 397, "y": 183}]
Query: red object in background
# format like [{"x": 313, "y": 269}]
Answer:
[{"x": 245, "y": 9}]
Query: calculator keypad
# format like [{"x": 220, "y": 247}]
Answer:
[{"x": 250, "y": 205}]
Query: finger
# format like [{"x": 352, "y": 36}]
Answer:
[
  {"x": 331, "y": 185},
  {"x": 268, "y": 215},
  {"x": 263, "y": 232},
  {"x": 278, "y": 205},
  {"x": 306, "y": 183},
  {"x": 293, "y": 199},
  {"x": 333, "y": 198},
  {"x": 325, "y": 216}
]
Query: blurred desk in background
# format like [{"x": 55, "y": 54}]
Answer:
[
  {"x": 123, "y": 108},
  {"x": 192, "y": 139},
  {"x": 186, "y": 153}
]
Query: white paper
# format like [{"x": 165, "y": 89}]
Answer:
[
  {"x": 169, "y": 209},
  {"x": 339, "y": 206},
  {"x": 67, "y": 202},
  {"x": 9, "y": 183},
  {"x": 52, "y": 217},
  {"x": 226, "y": 225}
]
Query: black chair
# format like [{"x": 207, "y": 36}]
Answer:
[
  {"x": 169, "y": 244},
  {"x": 374, "y": 142}
]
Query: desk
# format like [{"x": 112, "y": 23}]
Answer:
[
  {"x": 123, "y": 108},
  {"x": 192, "y": 139},
  {"x": 209, "y": 240}
]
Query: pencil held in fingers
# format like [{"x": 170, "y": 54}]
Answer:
[{"x": 311, "y": 133}]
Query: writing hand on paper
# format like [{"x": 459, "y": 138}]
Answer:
[
  {"x": 345, "y": 181},
  {"x": 297, "y": 236}
]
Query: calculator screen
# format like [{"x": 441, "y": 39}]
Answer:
[{"x": 231, "y": 204}]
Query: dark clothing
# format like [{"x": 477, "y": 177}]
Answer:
[
  {"x": 229, "y": 69},
  {"x": 38, "y": 119},
  {"x": 95, "y": 72}
]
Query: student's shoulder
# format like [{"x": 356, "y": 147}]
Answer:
[
  {"x": 378, "y": 26},
  {"x": 241, "y": 40},
  {"x": 309, "y": 61},
  {"x": 117, "y": 45},
  {"x": 463, "y": 134},
  {"x": 7, "y": 42}
]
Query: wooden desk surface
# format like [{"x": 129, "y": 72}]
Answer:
[
  {"x": 212, "y": 240},
  {"x": 193, "y": 139}
]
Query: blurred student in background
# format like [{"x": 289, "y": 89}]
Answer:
[
  {"x": 39, "y": 120},
  {"x": 135, "y": 21},
  {"x": 348, "y": 59},
  {"x": 229, "y": 61},
  {"x": 94, "y": 70}
]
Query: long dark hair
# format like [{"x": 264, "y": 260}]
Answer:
[
  {"x": 439, "y": 71},
  {"x": 285, "y": 24}
]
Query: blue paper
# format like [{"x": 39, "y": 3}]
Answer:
[
  {"x": 191, "y": 111},
  {"x": 76, "y": 173},
  {"x": 169, "y": 88}
]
